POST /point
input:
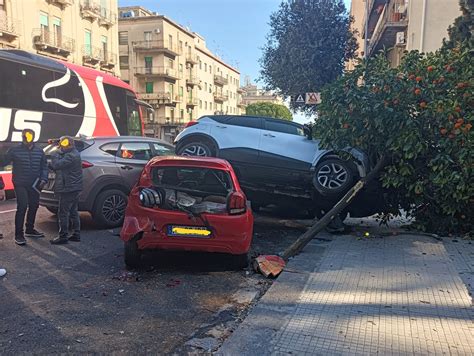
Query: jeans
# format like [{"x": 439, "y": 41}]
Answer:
[
  {"x": 67, "y": 212},
  {"x": 26, "y": 199}
]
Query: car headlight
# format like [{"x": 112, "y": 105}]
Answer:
[{"x": 150, "y": 198}]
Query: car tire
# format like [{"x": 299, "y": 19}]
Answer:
[
  {"x": 333, "y": 177},
  {"x": 132, "y": 254},
  {"x": 238, "y": 262},
  {"x": 52, "y": 210},
  {"x": 109, "y": 208},
  {"x": 197, "y": 148}
]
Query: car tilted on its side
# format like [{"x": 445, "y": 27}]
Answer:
[
  {"x": 278, "y": 161},
  {"x": 187, "y": 204}
]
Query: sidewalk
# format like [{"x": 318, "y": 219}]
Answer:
[{"x": 393, "y": 295}]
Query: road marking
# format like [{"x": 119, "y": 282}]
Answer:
[{"x": 7, "y": 211}]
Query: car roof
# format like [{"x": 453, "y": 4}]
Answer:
[
  {"x": 257, "y": 116},
  {"x": 122, "y": 138},
  {"x": 204, "y": 162}
]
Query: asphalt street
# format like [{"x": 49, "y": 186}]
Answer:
[{"x": 80, "y": 298}]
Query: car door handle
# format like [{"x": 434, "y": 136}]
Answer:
[
  {"x": 221, "y": 127},
  {"x": 269, "y": 135},
  {"x": 126, "y": 167}
]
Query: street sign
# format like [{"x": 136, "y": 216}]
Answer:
[
  {"x": 300, "y": 99},
  {"x": 313, "y": 98}
]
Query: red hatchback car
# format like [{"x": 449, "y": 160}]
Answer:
[{"x": 187, "y": 204}]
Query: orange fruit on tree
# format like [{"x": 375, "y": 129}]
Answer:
[
  {"x": 417, "y": 91},
  {"x": 419, "y": 79},
  {"x": 460, "y": 121},
  {"x": 457, "y": 125},
  {"x": 411, "y": 77},
  {"x": 345, "y": 125},
  {"x": 468, "y": 127},
  {"x": 430, "y": 68},
  {"x": 423, "y": 104}
]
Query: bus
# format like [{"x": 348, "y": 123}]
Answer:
[{"x": 56, "y": 98}]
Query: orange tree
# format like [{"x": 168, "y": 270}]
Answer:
[{"x": 419, "y": 115}]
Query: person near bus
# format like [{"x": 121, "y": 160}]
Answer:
[
  {"x": 68, "y": 184},
  {"x": 29, "y": 176},
  {"x": 2, "y": 196}
]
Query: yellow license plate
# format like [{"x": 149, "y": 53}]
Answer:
[{"x": 188, "y": 231}]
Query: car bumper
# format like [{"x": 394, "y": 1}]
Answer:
[{"x": 230, "y": 233}]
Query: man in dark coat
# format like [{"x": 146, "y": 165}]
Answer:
[
  {"x": 68, "y": 184},
  {"x": 30, "y": 174}
]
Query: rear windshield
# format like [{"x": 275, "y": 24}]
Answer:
[
  {"x": 214, "y": 181},
  {"x": 53, "y": 148}
]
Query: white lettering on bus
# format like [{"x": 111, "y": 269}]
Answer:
[{"x": 23, "y": 119}]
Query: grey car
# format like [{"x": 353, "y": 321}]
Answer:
[{"x": 111, "y": 167}]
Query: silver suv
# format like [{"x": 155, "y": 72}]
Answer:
[{"x": 111, "y": 167}]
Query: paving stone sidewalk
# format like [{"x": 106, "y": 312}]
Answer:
[{"x": 393, "y": 295}]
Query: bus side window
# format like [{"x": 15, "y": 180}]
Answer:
[
  {"x": 10, "y": 95},
  {"x": 134, "y": 124}
]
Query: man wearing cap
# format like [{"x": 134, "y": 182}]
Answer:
[
  {"x": 68, "y": 184},
  {"x": 30, "y": 174}
]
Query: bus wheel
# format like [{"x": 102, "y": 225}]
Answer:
[{"x": 109, "y": 209}]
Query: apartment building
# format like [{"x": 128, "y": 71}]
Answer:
[
  {"x": 251, "y": 94},
  {"x": 84, "y": 32},
  {"x": 172, "y": 69},
  {"x": 399, "y": 25}
]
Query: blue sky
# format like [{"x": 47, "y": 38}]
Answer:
[{"x": 235, "y": 30}]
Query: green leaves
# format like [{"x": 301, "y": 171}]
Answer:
[
  {"x": 420, "y": 116},
  {"x": 269, "y": 110}
]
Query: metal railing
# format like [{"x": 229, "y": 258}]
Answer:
[
  {"x": 91, "y": 53},
  {"x": 393, "y": 14},
  {"x": 191, "y": 58},
  {"x": 108, "y": 58},
  {"x": 158, "y": 71},
  {"x": 107, "y": 17},
  {"x": 9, "y": 25},
  {"x": 220, "y": 97},
  {"x": 52, "y": 39},
  {"x": 154, "y": 45},
  {"x": 191, "y": 101},
  {"x": 192, "y": 80},
  {"x": 89, "y": 9},
  {"x": 219, "y": 79},
  {"x": 61, "y": 2}
]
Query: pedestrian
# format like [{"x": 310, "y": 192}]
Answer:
[
  {"x": 68, "y": 184},
  {"x": 29, "y": 175}
]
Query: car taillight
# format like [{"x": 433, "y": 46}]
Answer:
[
  {"x": 150, "y": 197},
  {"x": 190, "y": 123},
  {"x": 236, "y": 203},
  {"x": 86, "y": 164}
]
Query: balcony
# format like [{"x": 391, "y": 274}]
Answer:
[
  {"x": 374, "y": 9},
  {"x": 89, "y": 10},
  {"x": 160, "y": 98},
  {"x": 61, "y": 3},
  {"x": 191, "y": 59},
  {"x": 157, "y": 72},
  {"x": 192, "y": 80},
  {"x": 108, "y": 60},
  {"x": 220, "y": 98},
  {"x": 220, "y": 80},
  {"x": 393, "y": 19},
  {"x": 52, "y": 42},
  {"x": 91, "y": 55},
  {"x": 8, "y": 29},
  {"x": 107, "y": 18},
  {"x": 241, "y": 104},
  {"x": 156, "y": 46},
  {"x": 240, "y": 90},
  {"x": 191, "y": 102}
]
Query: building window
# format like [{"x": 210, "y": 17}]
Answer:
[
  {"x": 170, "y": 41},
  {"x": 170, "y": 63},
  {"x": 44, "y": 22},
  {"x": 123, "y": 62},
  {"x": 149, "y": 87},
  {"x": 171, "y": 89},
  {"x": 103, "y": 41},
  {"x": 210, "y": 68},
  {"x": 123, "y": 38},
  {"x": 205, "y": 105},
  {"x": 200, "y": 104},
  {"x": 205, "y": 86},
  {"x": 87, "y": 43},
  {"x": 181, "y": 114},
  {"x": 147, "y": 35},
  {"x": 210, "y": 105},
  {"x": 180, "y": 68},
  {"x": 181, "y": 91},
  {"x": 205, "y": 67},
  {"x": 200, "y": 64},
  {"x": 190, "y": 114},
  {"x": 210, "y": 88}
]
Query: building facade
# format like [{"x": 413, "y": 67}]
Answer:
[
  {"x": 83, "y": 32},
  {"x": 399, "y": 25},
  {"x": 251, "y": 94},
  {"x": 171, "y": 69}
]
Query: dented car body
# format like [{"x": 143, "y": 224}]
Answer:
[{"x": 187, "y": 204}]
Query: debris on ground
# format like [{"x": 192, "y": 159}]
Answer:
[
  {"x": 127, "y": 276},
  {"x": 269, "y": 265}
]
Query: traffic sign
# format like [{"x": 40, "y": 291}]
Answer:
[
  {"x": 313, "y": 98},
  {"x": 300, "y": 99}
]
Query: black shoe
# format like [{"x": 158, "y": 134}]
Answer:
[
  {"x": 20, "y": 240},
  {"x": 58, "y": 240},
  {"x": 75, "y": 238},
  {"x": 33, "y": 233}
]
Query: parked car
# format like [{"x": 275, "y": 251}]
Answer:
[
  {"x": 278, "y": 161},
  {"x": 189, "y": 204},
  {"x": 111, "y": 167}
]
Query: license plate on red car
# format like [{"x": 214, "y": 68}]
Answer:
[{"x": 188, "y": 231}]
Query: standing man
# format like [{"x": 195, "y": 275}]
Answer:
[
  {"x": 30, "y": 174},
  {"x": 68, "y": 184}
]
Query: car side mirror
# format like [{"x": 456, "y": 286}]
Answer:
[{"x": 308, "y": 132}]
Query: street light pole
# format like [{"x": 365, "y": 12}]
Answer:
[{"x": 366, "y": 41}]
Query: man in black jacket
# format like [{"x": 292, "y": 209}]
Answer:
[
  {"x": 29, "y": 169},
  {"x": 68, "y": 184}
]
